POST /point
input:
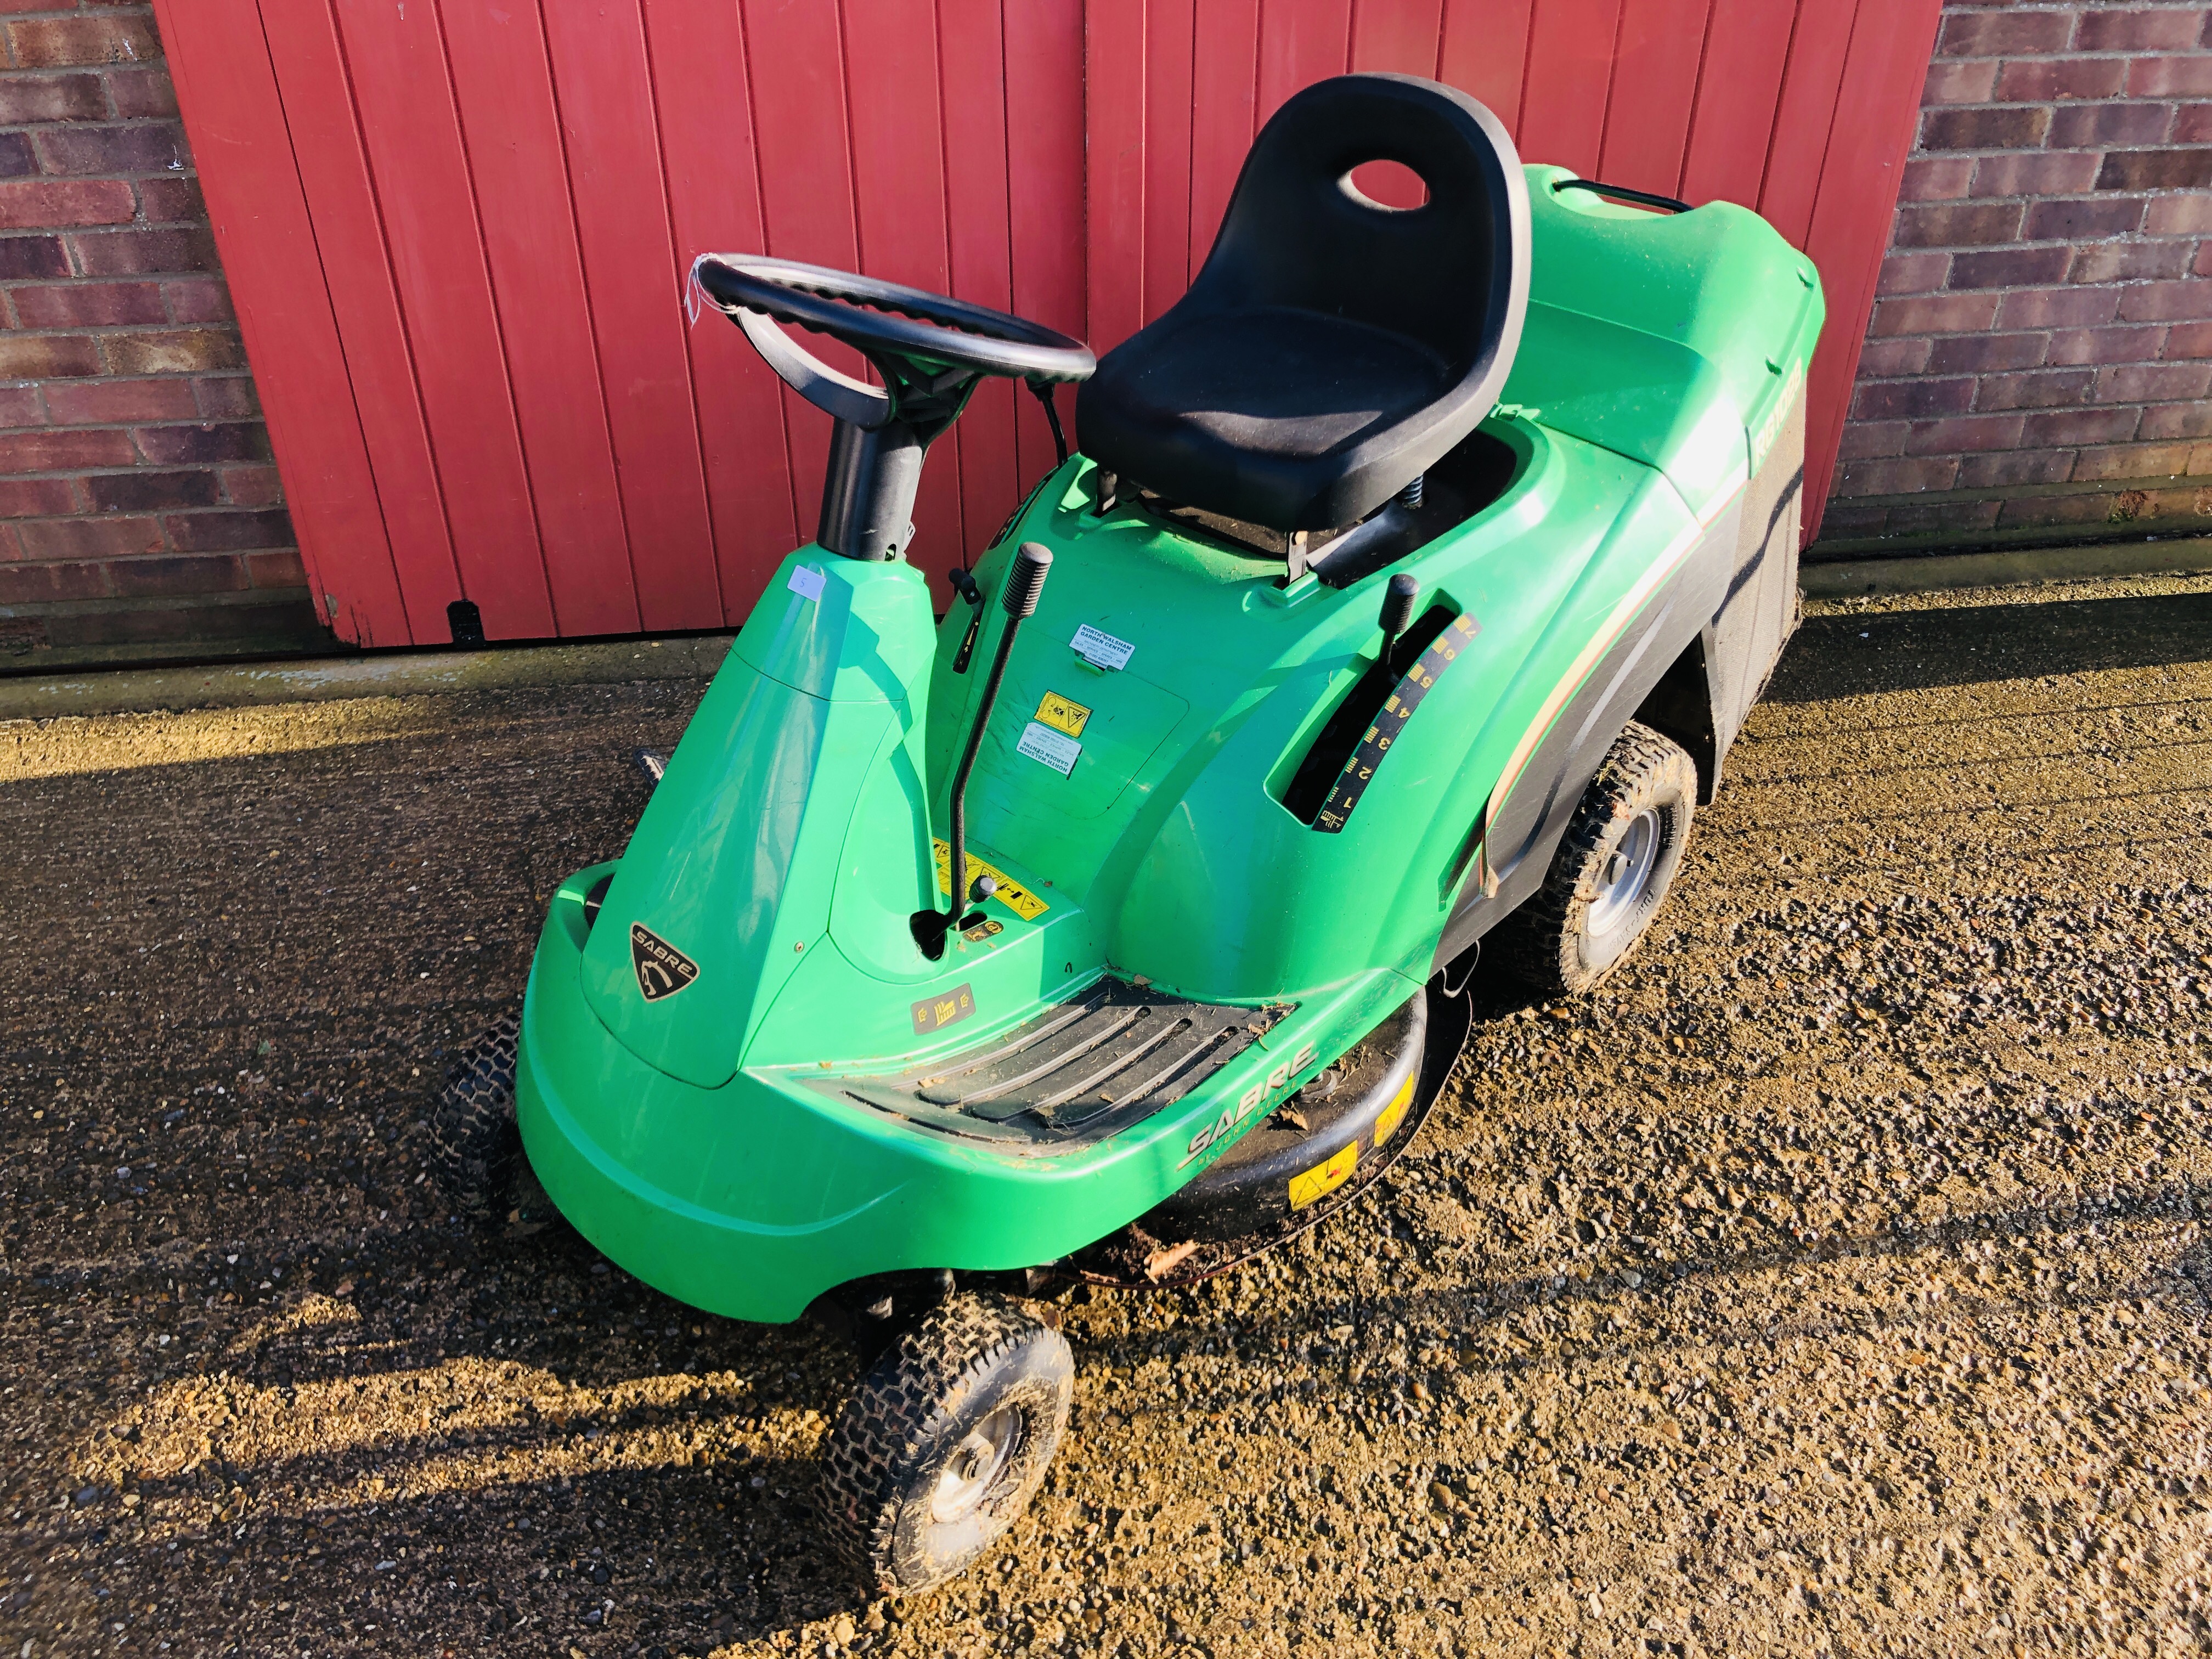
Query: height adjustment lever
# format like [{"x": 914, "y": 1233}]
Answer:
[
  {"x": 963, "y": 584},
  {"x": 1025, "y": 584},
  {"x": 1398, "y": 601}
]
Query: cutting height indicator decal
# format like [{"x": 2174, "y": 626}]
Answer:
[{"x": 1350, "y": 783}]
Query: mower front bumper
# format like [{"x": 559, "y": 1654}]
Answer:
[{"x": 752, "y": 1199}]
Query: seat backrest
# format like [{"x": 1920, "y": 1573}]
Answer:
[{"x": 1451, "y": 274}]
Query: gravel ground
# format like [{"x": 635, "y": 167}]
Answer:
[{"x": 1832, "y": 1281}]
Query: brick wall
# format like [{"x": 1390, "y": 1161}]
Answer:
[
  {"x": 139, "y": 511},
  {"x": 2038, "y": 363}
]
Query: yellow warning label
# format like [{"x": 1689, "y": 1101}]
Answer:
[
  {"x": 1063, "y": 714},
  {"x": 1392, "y": 1115},
  {"x": 1323, "y": 1178},
  {"x": 1012, "y": 894}
]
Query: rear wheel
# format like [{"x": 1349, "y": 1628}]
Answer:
[
  {"x": 946, "y": 1441},
  {"x": 1612, "y": 872}
]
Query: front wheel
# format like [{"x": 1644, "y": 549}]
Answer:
[
  {"x": 946, "y": 1441},
  {"x": 1611, "y": 873}
]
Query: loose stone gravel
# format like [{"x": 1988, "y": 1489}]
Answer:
[{"x": 1832, "y": 1281}]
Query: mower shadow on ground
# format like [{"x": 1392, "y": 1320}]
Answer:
[{"x": 1859, "y": 653}]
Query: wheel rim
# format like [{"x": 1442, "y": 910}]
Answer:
[
  {"x": 974, "y": 1467},
  {"x": 1625, "y": 876}
]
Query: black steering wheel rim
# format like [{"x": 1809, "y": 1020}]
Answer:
[{"x": 880, "y": 319}]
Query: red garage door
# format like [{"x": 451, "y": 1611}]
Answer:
[{"x": 457, "y": 229}]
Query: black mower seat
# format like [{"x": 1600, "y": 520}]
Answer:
[{"x": 1332, "y": 349}]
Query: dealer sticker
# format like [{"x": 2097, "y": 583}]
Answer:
[
  {"x": 1055, "y": 748},
  {"x": 1102, "y": 650},
  {"x": 806, "y": 583}
]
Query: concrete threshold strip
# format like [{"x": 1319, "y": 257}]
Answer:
[
  {"x": 696, "y": 657},
  {"x": 327, "y": 679}
]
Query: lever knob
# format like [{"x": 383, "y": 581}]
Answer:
[
  {"x": 1398, "y": 601},
  {"x": 1025, "y": 582}
]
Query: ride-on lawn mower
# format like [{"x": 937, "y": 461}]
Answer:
[{"x": 1417, "y": 570}]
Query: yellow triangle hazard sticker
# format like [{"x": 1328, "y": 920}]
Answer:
[
  {"x": 1323, "y": 1178},
  {"x": 1392, "y": 1115}
]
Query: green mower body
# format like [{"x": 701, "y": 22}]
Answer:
[{"x": 1209, "y": 812}]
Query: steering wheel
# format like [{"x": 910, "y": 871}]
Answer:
[{"x": 930, "y": 348}]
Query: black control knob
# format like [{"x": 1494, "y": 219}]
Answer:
[{"x": 1398, "y": 601}]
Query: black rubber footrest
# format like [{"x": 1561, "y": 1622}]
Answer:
[{"x": 1113, "y": 1055}]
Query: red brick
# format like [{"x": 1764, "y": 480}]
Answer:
[
  {"x": 1936, "y": 177},
  {"x": 176, "y": 351},
  {"x": 1935, "y": 313},
  {"x": 146, "y": 491},
  {"x": 2160, "y": 29},
  {"x": 1844, "y": 520},
  {"x": 89, "y": 539},
  {"x": 1980, "y": 354},
  {"x": 36, "y": 584},
  {"x": 2012, "y": 126},
  {"x": 2188, "y": 340},
  {"x": 142, "y": 95},
  {"x": 2043, "y": 389},
  {"x": 2051, "y": 511},
  {"x": 2059, "y": 307},
  {"x": 2142, "y": 383},
  {"x": 27, "y": 99},
  {"x": 2164, "y": 303},
  {"x": 2203, "y": 265},
  {"x": 63, "y": 451},
  {"x": 111, "y": 403},
  {"x": 281, "y": 570},
  {"x": 2021, "y": 466},
  {"x": 1941, "y": 517},
  {"x": 179, "y": 446},
  {"x": 1957, "y": 226},
  {"x": 133, "y": 252},
  {"x": 199, "y": 301},
  {"x": 224, "y": 531},
  {"x": 171, "y": 201},
  {"x": 1965, "y": 431},
  {"x": 2179, "y": 216},
  {"x": 2042, "y": 80},
  {"x": 2123, "y": 262},
  {"x": 252, "y": 486},
  {"x": 2189, "y": 420},
  {"x": 2081, "y": 222},
  {"x": 1959, "y": 81},
  {"x": 1878, "y": 400},
  {"x": 2133, "y": 461},
  {"x": 47, "y": 356},
  {"x": 2082, "y": 426},
  {"x": 2192, "y": 124},
  {"x": 33, "y": 257},
  {"x": 142, "y": 147},
  {"x": 232, "y": 397},
  {"x": 2090, "y": 126},
  {"x": 2105, "y": 345},
  {"x": 2147, "y": 169},
  {"x": 2200, "y": 459},
  {"x": 2002, "y": 33},
  {"x": 66, "y": 202},
  {"x": 2170, "y": 77},
  {"x": 1873, "y": 440},
  {"x": 56, "y": 43},
  {"x": 35, "y": 498},
  {"x": 89, "y": 305},
  {"x": 17, "y": 159},
  {"x": 1882, "y": 359},
  {"x": 1914, "y": 273},
  {"x": 19, "y": 406},
  {"x": 1897, "y": 477},
  {"x": 2010, "y": 267},
  {"x": 154, "y": 577},
  {"x": 2034, "y": 173}
]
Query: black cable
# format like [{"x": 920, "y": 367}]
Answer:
[{"x": 1043, "y": 391}]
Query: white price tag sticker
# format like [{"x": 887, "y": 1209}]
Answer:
[
  {"x": 1102, "y": 650},
  {"x": 1055, "y": 748},
  {"x": 806, "y": 582}
]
